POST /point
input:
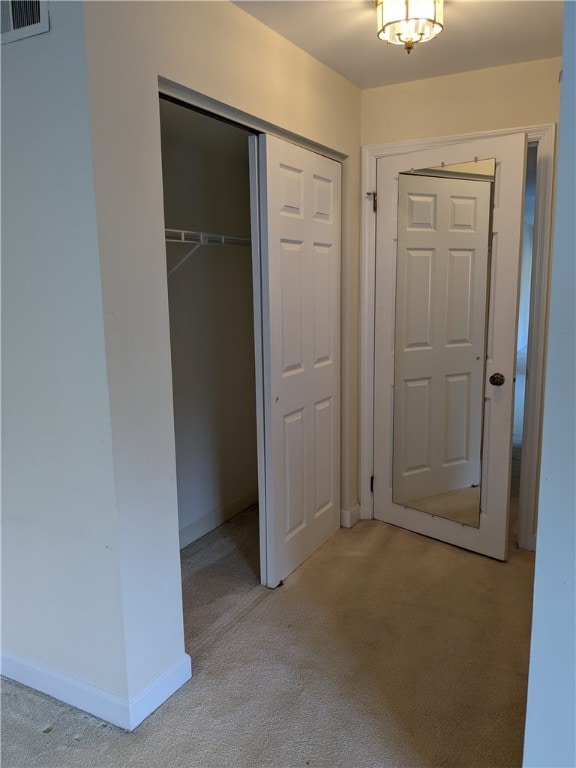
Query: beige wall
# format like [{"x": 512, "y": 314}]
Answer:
[
  {"x": 61, "y": 586},
  {"x": 217, "y": 50},
  {"x": 486, "y": 99}
]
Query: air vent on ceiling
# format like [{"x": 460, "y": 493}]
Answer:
[{"x": 23, "y": 18}]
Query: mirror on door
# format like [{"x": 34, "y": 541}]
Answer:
[{"x": 442, "y": 279}]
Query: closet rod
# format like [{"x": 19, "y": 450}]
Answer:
[{"x": 203, "y": 238}]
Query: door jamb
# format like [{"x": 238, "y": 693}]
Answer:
[
  {"x": 537, "y": 338},
  {"x": 544, "y": 135}
]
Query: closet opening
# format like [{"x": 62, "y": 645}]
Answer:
[{"x": 206, "y": 186}]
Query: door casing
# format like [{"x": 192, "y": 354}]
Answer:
[{"x": 544, "y": 136}]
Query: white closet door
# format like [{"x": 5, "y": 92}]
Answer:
[
  {"x": 299, "y": 241},
  {"x": 491, "y": 537}
]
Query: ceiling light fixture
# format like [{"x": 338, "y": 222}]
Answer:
[{"x": 407, "y": 22}]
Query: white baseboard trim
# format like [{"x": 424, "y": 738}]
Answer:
[
  {"x": 123, "y": 712},
  {"x": 527, "y": 542},
  {"x": 349, "y": 517},
  {"x": 366, "y": 512},
  {"x": 213, "y": 519}
]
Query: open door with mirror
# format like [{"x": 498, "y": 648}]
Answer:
[
  {"x": 442, "y": 269},
  {"x": 447, "y": 256}
]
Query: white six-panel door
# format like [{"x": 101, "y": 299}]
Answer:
[
  {"x": 299, "y": 242},
  {"x": 491, "y": 537},
  {"x": 442, "y": 271}
]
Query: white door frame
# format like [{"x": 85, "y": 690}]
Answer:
[{"x": 544, "y": 135}]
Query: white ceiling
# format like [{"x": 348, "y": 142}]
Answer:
[{"x": 477, "y": 34}]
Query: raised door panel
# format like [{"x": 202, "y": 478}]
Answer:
[
  {"x": 291, "y": 256},
  {"x": 324, "y": 267},
  {"x": 415, "y": 288},
  {"x": 460, "y": 297},
  {"x": 294, "y": 474},
  {"x": 323, "y": 456},
  {"x": 456, "y": 419}
]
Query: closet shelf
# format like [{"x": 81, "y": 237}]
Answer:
[{"x": 203, "y": 238}]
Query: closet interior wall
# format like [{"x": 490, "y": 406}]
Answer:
[{"x": 205, "y": 167}]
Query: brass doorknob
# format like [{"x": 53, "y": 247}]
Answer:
[{"x": 497, "y": 379}]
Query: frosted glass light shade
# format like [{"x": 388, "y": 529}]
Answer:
[{"x": 406, "y": 22}]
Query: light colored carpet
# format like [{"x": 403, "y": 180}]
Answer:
[
  {"x": 220, "y": 579},
  {"x": 462, "y": 506},
  {"x": 384, "y": 650}
]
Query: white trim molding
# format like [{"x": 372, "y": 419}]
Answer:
[
  {"x": 544, "y": 135},
  {"x": 216, "y": 517},
  {"x": 537, "y": 335},
  {"x": 123, "y": 712},
  {"x": 349, "y": 517}
]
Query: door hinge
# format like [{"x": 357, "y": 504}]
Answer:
[
  {"x": 374, "y": 197},
  {"x": 372, "y": 484}
]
